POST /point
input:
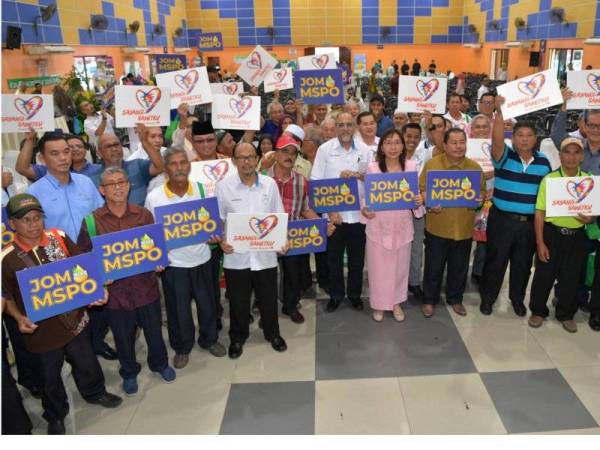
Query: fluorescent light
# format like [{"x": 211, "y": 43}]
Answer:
[
  {"x": 182, "y": 49},
  {"x": 477, "y": 45},
  {"x": 592, "y": 41},
  {"x": 44, "y": 49},
  {"x": 136, "y": 50},
  {"x": 522, "y": 44}
]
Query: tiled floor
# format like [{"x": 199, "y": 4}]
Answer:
[{"x": 346, "y": 374}]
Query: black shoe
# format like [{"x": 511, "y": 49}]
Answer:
[
  {"x": 107, "y": 400},
  {"x": 294, "y": 315},
  {"x": 56, "y": 427},
  {"x": 235, "y": 350},
  {"x": 332, "y": 305},
  {"x": 594, "y": 322},
  {"x": 278, "y": 344},
  {"x": 108, "y": 353},
  {"x": 416, "y": 291},
  {"x": 475, "y": 279},
  {"x": 486, "y": 309},
  {"x": 519, "y": 309},
  {"x": 357, "y": 304},
  {"x": 251, "y": 319}
]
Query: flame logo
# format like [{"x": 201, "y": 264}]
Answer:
[
  {"x": 79, "y": 274},
  {"x": 146, "y": 242}
]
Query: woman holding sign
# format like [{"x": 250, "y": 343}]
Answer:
[{"x": 389, "y": 235}]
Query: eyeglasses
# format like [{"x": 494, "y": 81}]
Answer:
[
  {"x": 204, "y": 141},
  {"x": 116, "y": 184},
  {"x": 245, "y": 159},
  {"x": 31, "y": 220},
  {"x": 344, "y": 125},
  {"x": 593, "y": 126}
]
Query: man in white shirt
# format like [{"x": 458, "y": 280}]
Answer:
[
  {"x": 344, "y": 158},
  {"x": 189, "y": 273},
  {"x": 366, "y": 133},
  {"x": 250, "y": 192},
  {"x": 454, "y": 114},
  {"x": 483, "y": 89},
  {"x": 96, "y": 122}
]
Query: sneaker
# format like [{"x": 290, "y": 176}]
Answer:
[
  {"x": 130, "y": 386},
  {"x": 217, "y": 350},
  {"x": 168, "y": 374}
]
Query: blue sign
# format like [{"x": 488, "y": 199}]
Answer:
[
  {"x": 8, "y": 234},
  {"x": 307, "y": 236},
  {"x": 391, "y": 191},
  {"x": 170, "y": 63},
  {"x": 453, "y": 188},
  {"x": 129, "y": 252},
  {"x": 189, "y": 223},
  {"x": 62, "y": 286},
  {"x": 210, "y": 41},
  {"x": 334, "y": 194},
  {"x": 319, "y": 86}
]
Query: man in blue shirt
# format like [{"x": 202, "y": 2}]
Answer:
[
  {"x": 139, "y": 171},
  {"x": 383, "y": 122}
]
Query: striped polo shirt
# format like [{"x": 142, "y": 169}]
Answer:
[{"x": 516, "y": 188}]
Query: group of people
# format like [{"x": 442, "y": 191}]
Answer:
[{"x": 72, "y": 200}]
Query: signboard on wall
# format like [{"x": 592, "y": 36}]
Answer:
[
  {"x": 168, "y": 63},
  {"x": 210, "y": 41},
  {"x": 13, "y": 83}
]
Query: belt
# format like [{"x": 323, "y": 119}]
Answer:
[
  {"x": 567, "y": 231},
  {"x": 517, "y": 217}
]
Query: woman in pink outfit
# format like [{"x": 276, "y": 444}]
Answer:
[{"x": 389, "y": 235}]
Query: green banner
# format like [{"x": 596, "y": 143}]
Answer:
[{"x": 13, "y": 83}]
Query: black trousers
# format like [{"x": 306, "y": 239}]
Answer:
[
  {"x": 293, "y": 280},
  {"x": 306, "y": 280},
  {"x": 86, "y": 371},
  {"x": 350, "y": 237},
  {"x": 180, "y": 284},
  {"x": 15, "y": 419},
  {"x": 240, "y": 284},
  {"x": 28, "y": 364},
  {"x": 567, "y": 256},
  {"x": 508, "y": 240},
  {"x": 98, "y": 327},
  {"x": 322, "y": 267},
  {"x": 439, "y": 253},
  {"x": 123, "y": 324},
  {"x": 216, "y": 256},
  {"x": 595, "y": 298}
]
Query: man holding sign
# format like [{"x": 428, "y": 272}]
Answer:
[
  {"x": 57, "y": 338},
  {"x": 561, "y": 245}
]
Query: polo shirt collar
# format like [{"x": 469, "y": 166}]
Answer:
[
  {"x": 54, "y": 182},
  {"x": 352, "y": 146},
  {"x": 105, "y": 211},
  {"x": 562, "y": 174},
  {"x": 171, "y": 194},
  {"x": 44, "y": 241},
  {"x": 256, "y": 183},
  {"x": 447, "y": 164}
]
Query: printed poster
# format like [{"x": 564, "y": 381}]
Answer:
[
  {"x": 585, "y": 85},
  {"x": 480, "y": 151},
  {"x": 22, "y": 112},
  {"x": 150, "y": 105},
  {"x": 417, "y": 94},
  {"x": 257, "y": 232},
  {"x": 317, "y": 62},
  {"x": 319, "y": 86},
  {"x": 453, "y": 188},
  {"x": 570, "y": 196},
  {"x": 307, "y": 236},
  {"x": 228, "y": 88},
  {"x": 334, "y": 195},
  {"x": 232, "y": 112},
  {"x": 256, "y": 66},
  {"x": 279, "y": 79},
  {"x": 391, "y": 191},
  {"x": 186, "y": 86}
]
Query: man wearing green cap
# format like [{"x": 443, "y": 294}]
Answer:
[{"x": 58, "y": 338}]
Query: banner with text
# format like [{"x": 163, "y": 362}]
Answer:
[
  {"x": 231, "y": 88},
  {"x": 256, "y": 66},
  {"x": 317, "y": 62},
  {"x": 210, "y": 41},
  {"x": 231, "y": 112},
  {"x": 453, "y": 188},
  {"x": 391, "y": 191},
  {"x": 169, "y": 63},
  {"x": 480, "y": 151},
  {"x": 334, "y": 195},
  {"x": 209, "y": 173},
  {"x": 531, "y": 93},
  {"x": 570, "y": 196},
  {"x": 150, "y": 105},
  {"x": 186, "y": 86},
  {"x": 319, "y": 86},
  {"x": 59, "y": 287},
  {"x": 22, "y": 112},
  {"x": 8, "y": 234},
  {"x": 307, "y": 236},
  {"x": 585, "y": 85},
  {"x": 416, "y": 94},
  {"x": 279, "y": 79},
  {"x": 257, "y": 232}
]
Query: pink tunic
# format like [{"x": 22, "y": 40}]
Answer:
[{"x": 389, "y": 237}]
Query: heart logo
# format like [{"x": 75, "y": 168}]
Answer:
[
  {"x": 148, "y": 99},
  {"x": 532, "y": 87},
  {"x": 29, "y": 107},
  {"x": 262, "y": 227},
  {"x": 580, "y": 191},
  {"x": 216, "y": 172},
  {"x": 239, "y": 107},
  {"x": 187, "y": 82},
  {"x": 279, "y": 75},
  {"x": 320, "y": 62},
  {"x": 593, "y": 80},
  {"x": 230, "y": 89},
  {"x": 486, "y": 148},
  {"x": 255, "y": 61},
  {"x": 427, "y": 89}
]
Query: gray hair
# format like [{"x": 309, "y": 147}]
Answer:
[
  {"x": 171, "y": 151},
  {"x": 111, "y": 171},
  {"x": 313, "y": 134}
]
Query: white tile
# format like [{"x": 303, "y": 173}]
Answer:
[
  {"x": 362, "y": 406},
  {"x": 585, "y": 381},
  {"x": 449, "y": 404},
  {"x": 583, "y": 431},
  {"x": 502, "y": 314},
  {"x": 569, "y": 349}
]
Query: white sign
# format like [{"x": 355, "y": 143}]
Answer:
[
  {"x": 480, "y": 151},
  {"x": 585, "y": 85},
  {"x": 256, "y": 66},
  {"x": 231, "y": 112},
  {"x": 569, "y": 196},
  {"x": 149, "y": 105},
  {"x": 316, "y": 62},
  {"x": 232, "y": 88},
  {"x": 187, "y": 86},
  {"x": 22, "y": 112},
  {"x": 417, "y": 94},
  {"x": 279, "y": 79},
  {"x": 209, "y": 173},
  {"x": 529, "y": 94},
  {"x": 257, "y": 232}
]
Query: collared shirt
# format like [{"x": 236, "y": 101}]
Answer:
[
  {"x": 271, "y": 128},
  {"x": 591, "y": 161},
  {"x": 65, "y": 205},
  {"x": 138, "y": 173},
  {"x": 190, "y": 255},
  {"x": 383, "y": 124},
  {"x": 372, "y": 147},
  {"x": 145, "y": 285},
  {"x": 236, "y": 197},
  {"x": 516, "y": 184},
  {"x": 332, "y": 159},
  {"x": 91, "y": 124},
  {"x": 461, "y": 122},
  {"x": 450, "y": 223},
  {"x": 303, "y": 166},
  {"x": 293, "y": 192},
  {"x": 540, "y": 204},
  {"x": 54, "y": 332},
  {"x": 88, "y": 169}
]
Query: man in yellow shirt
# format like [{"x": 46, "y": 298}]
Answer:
[{"x": 561, "y": 247}]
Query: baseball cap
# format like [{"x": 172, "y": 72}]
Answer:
[
  {"x": 297, "y": 131},
  {"x": 570, "y": 140},
  {"x": 285, "y": 141},
  {"x": 21, "y": 204}
]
